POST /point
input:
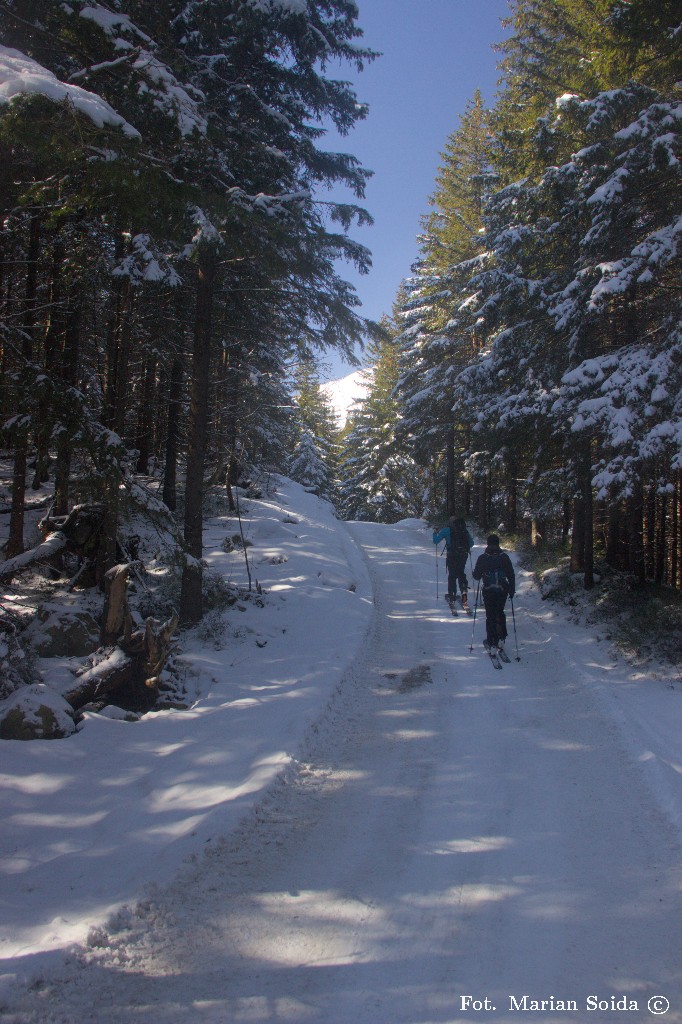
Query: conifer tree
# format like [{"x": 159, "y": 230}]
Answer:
[
  {"x": 307, "y": 466},
  {"x": 184, "y": 140},
  {"x": 579, "y": 288},
  {"x": 259, "y": 175},
  {"x": 575, "y": 46},
  {"x": 380, "y": 482},
  {"x": 568, "y": 307},
  {"x": 317, "y": 426},
  {"x": 438, "y": 349}
]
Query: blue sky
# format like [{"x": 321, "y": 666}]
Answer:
[{"x": 436, "y": 53}]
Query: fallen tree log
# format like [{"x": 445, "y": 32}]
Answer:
[
  {"x": 81, "y": 531},
  {"x": 127, "y": 674},
  {"x": 51, "y": 546},
  {"x": 29, "y": 506}
]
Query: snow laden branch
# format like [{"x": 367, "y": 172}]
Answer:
[{"x": 21, "y": 76}]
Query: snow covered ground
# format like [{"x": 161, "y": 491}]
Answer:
[{"x": 359, "y": 820}]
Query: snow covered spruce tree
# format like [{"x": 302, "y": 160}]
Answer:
[
  {"x": 314, "y": 462},
  {"x": 261, "y": 70},
  {"x": 556, "y": 337},
  {"x": 379, "y": 481},
  {"x": 579, "y": 287},
  {"x": 307, "y": 466},
  {"x": 77, "y": 165},
  {"x": 182, "y": 150},
  {"x": 438, "y": 342},
  {"x": 622, "y": 314}
]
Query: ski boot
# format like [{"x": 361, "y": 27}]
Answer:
[{"x": 501, "y": 653}]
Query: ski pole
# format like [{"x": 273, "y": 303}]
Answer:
[
  {"x": 515, "y": 633},
  {"x": 473, "y": 626},
  {"x": 439, "y": 554}
]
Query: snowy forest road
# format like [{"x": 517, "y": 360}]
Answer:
[{"x": 457, "y": 844}]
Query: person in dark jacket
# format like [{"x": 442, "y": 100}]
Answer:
[
  {"x": 496, "y": 573},
  {"x": 459, "y": 543}
]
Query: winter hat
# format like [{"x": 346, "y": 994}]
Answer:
[{"x": 493, "y": 541}]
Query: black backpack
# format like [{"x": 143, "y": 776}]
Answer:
[
  {"x": 458, "y": 537},
  {"x": 495, "y": 578}
]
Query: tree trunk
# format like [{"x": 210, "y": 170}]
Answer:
[
  {"x": 121, "y": 394},
  {"x": 118, "y": 349},
  {"x": 173, "y": 434},
  {"x": 51, "y": 347},
  {"x": 512, "y": 500},
  {"x": 588, "y": 505},
  {"x": 650, "y": 532},
  {"x": 232, "y": 442},
  {"x": 467, "y": 498},
  {"x": 677, "y": 579},
  {"x": 450, "y": 471},
  {"x": 191, "y": 588},
  {"x": 69, "y": 375},
  {"x": 116, "y": 615},
  {"x": 116, "y": 393},
  {"x": 131, "y": 671},
  {"x": 537, "y": 533},
  {"x": 482, "y": 503},
  {"x": 635, "y": 519},
  {"x": 613, "y": 536},
  {"x": 566, "y": 521},
  {"x": 15, "y": 542},
  {"x": 146, "y": 414},
  {"x": 661, "y": 532},
  {"x": 578, "y": 536}
]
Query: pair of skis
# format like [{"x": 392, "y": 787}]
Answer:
[
  {"x": 453, "y": 607},
  {"x": 497, "y": 655}
]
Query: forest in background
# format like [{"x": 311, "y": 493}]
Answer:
[
  {"x": 533, "y": 374},
  {"x": 168, "y": 256},
  {"x": 169, "y": 272}
]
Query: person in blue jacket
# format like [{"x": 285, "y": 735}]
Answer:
[{"x": 459, "y": 543}]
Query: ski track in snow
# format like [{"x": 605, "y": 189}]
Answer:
[{"x": 448, "y": 831}]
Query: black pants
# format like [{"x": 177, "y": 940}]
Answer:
[
  {"x": 455, "y": 562},
  {"x": 495, "y": 619}
]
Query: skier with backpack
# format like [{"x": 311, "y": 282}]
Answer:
[
  {"x": 459, "y": 543},
  {"x": 496, "y": 573}
]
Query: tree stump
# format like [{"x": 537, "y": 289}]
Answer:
[{"x": 127, "y": 674}]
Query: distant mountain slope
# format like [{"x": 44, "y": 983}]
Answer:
[{"x": 344, "y": 393}]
